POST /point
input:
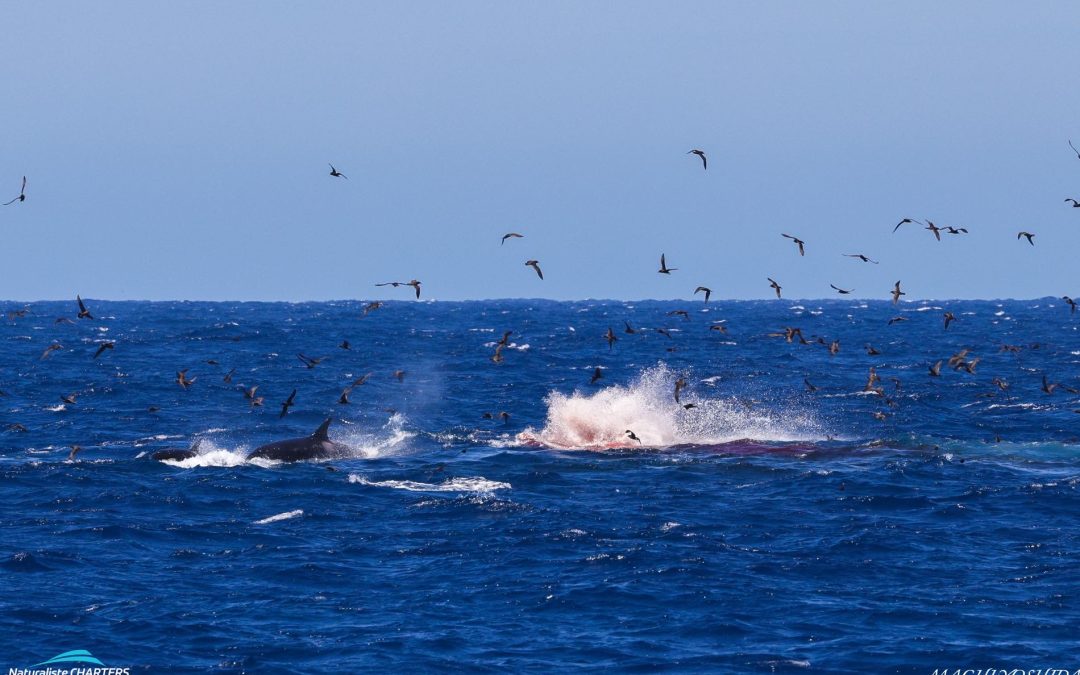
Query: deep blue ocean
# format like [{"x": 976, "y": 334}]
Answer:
[{"x": 930, "y": 522}]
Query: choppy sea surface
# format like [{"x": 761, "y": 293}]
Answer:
[{"x": 793, "y": 520}]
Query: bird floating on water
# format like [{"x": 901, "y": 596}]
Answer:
[{"x": 183, "y": 380}]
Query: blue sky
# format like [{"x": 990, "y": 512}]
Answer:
[{"x": 180, "y": 150}]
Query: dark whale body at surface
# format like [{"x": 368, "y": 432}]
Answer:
[
  {"x": 316, "y": 446},
  {"x": 177, "y": 454}
]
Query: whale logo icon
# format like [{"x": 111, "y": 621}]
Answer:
[{"x": 75, "y": 656}]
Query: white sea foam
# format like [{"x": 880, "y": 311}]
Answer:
[
  {"x": 600, "y": 420},
  {"x": 155, "y": 437},
  {"x": 1022, "y": 406},
  {"x": 475, "y": 485},
  {"x": 513, "y": 345},
  {"x": 281, "y": 516}
]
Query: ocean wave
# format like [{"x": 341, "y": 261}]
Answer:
[
  {"x": 512, "y": 345},
  {"x": 281, "y": 516},
  {"x": 475, "y": 485},
  {"x": 1021, "y": 406}
]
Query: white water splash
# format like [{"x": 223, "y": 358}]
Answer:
[
  {"x": 476, "y": 485},
  {"x": 211, "y": 454},
  {"x": 599, "y": 421},
  {"x": 391, "y": 440},
  {"x": 281, "y": 516}
]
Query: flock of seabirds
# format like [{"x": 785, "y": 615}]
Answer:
[{"x": 319, "y": 445}]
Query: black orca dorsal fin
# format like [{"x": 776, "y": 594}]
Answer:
[{"x": 322, "y": 432}]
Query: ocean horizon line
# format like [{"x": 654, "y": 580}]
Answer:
[{"x": 531, "y": 299}]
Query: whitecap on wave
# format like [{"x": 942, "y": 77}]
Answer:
[
  {"x": 281, "y": 516},
  {"x": 475, "y": 485}
]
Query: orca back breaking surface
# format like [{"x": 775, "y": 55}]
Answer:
[{"x": 316, "y": 446}]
